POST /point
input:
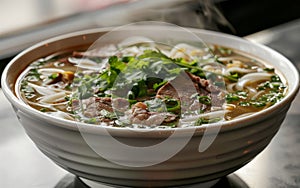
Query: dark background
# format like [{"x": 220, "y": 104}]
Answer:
[{"x": 250, "y": 16}]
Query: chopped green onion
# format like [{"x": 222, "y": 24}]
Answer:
[
  {"x": 53, "y": 76},
  {"x": 205, "y": 100},
  {"x": 230, "y": 97},
  {"x": 156, "y": 86},
  {"x": 275, "y": 78},
  {"x": 130, "y": 95},
  {"x": 271, "y": 70},
  {"x": 172, "y": 105},
  {"x": 202, "y": 121},
  {"x": 43, "y": 109}
]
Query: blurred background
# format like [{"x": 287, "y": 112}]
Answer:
[{"x": 26, "y": 22}]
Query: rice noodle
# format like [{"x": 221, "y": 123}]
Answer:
[
  {"x": 251, "y": 91},
  {"x": 53, "y": 98},
  {"x": 231, "y": 58},
  {"x": 50, "y": 71},
  {"x": 193, "y": 118},
  {"x": 229, "y": 107},
  {"x": 44, "y": 90},
  {"x": 133, "y": 51},
  {"x": 207, "y": 67},
  {"x": 87, "y": 63},
  {"x": 58, "y": 103},
  {"x": 37, "y": 104},
  {"x": 230, "y": 87},
  {"x": 186, "y": 51},
  {"x": 238, "y": 70},
  {"x": 257, "y": 94},
  {"x": 250, "y": 78}
]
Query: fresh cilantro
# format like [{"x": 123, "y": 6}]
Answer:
[
  {"x": 156, "y": 86},
  {"x": 107, "y": 114},
  {"x": 91, "y": 120},
  {"x": 138, "y": 72},
  {"x": 116, "y": 65},
  {"x": 140, "y": 88}
]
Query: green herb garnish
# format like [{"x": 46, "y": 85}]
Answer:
[
  {"x": 201, "y": 121},
  {"x": 53, "y": 76},
  {"x": 204, "y": 100}
]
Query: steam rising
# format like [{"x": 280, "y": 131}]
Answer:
[
  {"x": 214, "y": 15},
  {"x": 199, "y": 14}
]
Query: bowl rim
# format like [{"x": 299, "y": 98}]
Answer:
[{"x": 225, "y": 125}]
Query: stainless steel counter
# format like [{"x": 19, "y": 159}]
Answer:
[{"x": 22, "y": 165}]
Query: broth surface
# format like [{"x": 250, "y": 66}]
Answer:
[{"x": 149, "y": 86}]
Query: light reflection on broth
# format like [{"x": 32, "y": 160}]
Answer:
[{"x": 80, "y": 85}]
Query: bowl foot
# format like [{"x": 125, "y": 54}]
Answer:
[
  {"x": 230, "y": 181},
  {"x": 95, "y": 184}
]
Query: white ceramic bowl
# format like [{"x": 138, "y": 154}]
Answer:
[{"x": 237, "y": 143}]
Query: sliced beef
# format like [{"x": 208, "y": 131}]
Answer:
[
  {"x": 207, "y": 89},
  {"x": 141, "y": 115},
  {"x": 120, "y": 104},
  {"x": 167, "y": 90},
  {"x": 93, "y": 105},
  {"x": 187, "y": 86},
  {"x": 199, "y": 82}
]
